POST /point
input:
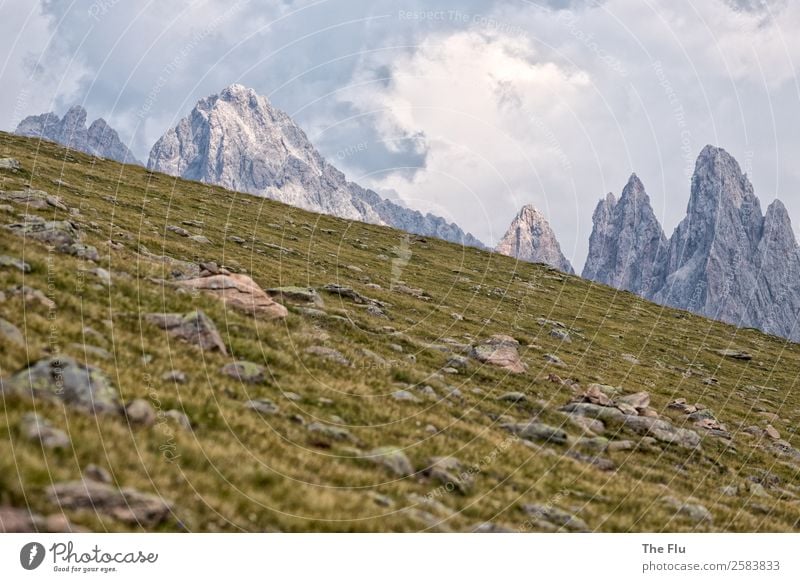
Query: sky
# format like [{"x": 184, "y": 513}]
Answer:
[{"x": 468, "y": 109}]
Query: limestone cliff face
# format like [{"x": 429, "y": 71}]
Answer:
[
  {"x": 725, "y": 259},
  {"x": 530, "y": 238},
  {"x": 99, "y": 139},
  {"x": 627, "y": 245},
  {"x": 238, "y": 140}
]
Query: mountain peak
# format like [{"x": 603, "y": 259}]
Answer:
[
  {"x": 237, "y": 140},
  {"x": 627, "y": 241},
  {"x": 237, "y": 91},
  {"x": 530, "y": 212},
  {"x": 634, "y": 186},
  {"x": 530, "y": 238}
]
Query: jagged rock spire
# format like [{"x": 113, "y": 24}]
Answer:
[{"x": 530, "y": 238}]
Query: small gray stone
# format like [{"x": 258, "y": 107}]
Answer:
[
  {"x": 6, "y": 261},
  {"x": 175, "y": 376},
  {"x": 333, "y": 432},
  {"x": 393, "y": 459},
  {"x": 179, "y": 418},
  {"x": 37, "y": 428},
  {"x": 140, "y": 412},
  {"x": 405, "y": 396},
  {"x": 514, "y": 397},
  {"x": 556, "y": 516},
  {"x": 328, "y": 354},
  {"x": 457, "y": 362},
  {"x": 262, "y": 406},
  {"x": 96, "y": 473},
  {"x": 178, "y": 230},
  {"x": 245, "y": 371},
  {"x": 537, "y": 431},
  {"x": 11, "y": 333}
]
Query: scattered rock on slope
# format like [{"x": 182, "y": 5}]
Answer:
[
  {"x": 239, "y": 291},
  {"x": 501, "y": 351},
  {"x": 127, "y": 505},
  {"x": 65, "y": 379},
  {"x": 61, "y": 234},
  {"x": 194, "y": 327},
  {"x": 37, "y": 428}
]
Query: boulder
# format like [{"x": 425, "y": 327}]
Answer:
[
  {"x": 36, "y": 428},
  {"x": 500, "y": 351},
  {"x": 351, "y": 294},
  {"x": 140, "y": 412},
  {"x": 62, "y": 378},
  {"x": 537, "y": 431},
  {"x": 663, "y": 431},
  {"x": 297, "y": 295},
  {"x": 127, "y": 505},
  {"x": 245, "y": 372},
  {"x": 639, "y": 401},
  {"x": 10, "y": 333},
  {"x": 262, "y": 406},
  {"x": 34, "y": 199},
  {"x": 393, "y": 459},
  {"x": 328, "y": 354},
  {"x": 6, "y": 261},
  {"x": 735, "y": 354},
  {"x": 9, "y": 164},
  {"x": 562, "y": 520},
  {"x": 238, "y": 291},
  {"x": 18, "y": 520},
  {"x": 329, "y": 431},
  {"x": 194, "y": 327}
]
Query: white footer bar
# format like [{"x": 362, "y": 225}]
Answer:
[{"x": 388, "y": 557}]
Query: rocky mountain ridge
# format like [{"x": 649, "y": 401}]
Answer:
[
  {"x": 238, "y": 140},
  {"x": 725, "y": 260},
  {"x": 99, "y": 139}
]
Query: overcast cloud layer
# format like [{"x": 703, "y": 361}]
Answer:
[{"x": 466, "y": 108}]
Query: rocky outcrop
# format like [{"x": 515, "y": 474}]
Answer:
[
  {"x": 238, "y": 140},
  {"x": 627, "y": 245},
  {"x": 530, "y": 238},
  {"x": 99, "y": 139},
  {"x": 725, "y": 259}
]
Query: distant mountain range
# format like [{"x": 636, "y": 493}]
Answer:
[
  {"x": 99, "y": 139},
  {"x": 725, "y": 260}
]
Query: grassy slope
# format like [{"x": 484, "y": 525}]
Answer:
[{"x": 240, "y": 471}]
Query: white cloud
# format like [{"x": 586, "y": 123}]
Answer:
[
  {"x": 479, "y": 103},
  {"x": 33, "y": 70},
  {"x": 564, "y": 112}
]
